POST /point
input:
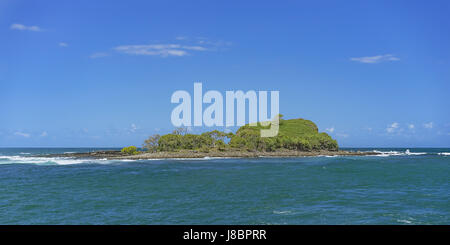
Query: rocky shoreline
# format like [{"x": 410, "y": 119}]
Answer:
[{"x": 111, "y": 155}]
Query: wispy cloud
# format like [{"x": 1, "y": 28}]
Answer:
[
  {"x": 21, "y": 27},
  {"x": 25, "y": 135},
  {"x": 428, "y": 125},
  {"x": 62, "y": 44},
  {"x": 44, "y": 134},
  {"x": 331, "y": 130},
  {"x": 411, "y": 126},
  {"x": 163, "y": 50},
  {"x": 98, "y": 55},
  {"x": 393, "y": 127},
  {"x": 181, "y": 46},
  {"x": 133, "y": 128},
  {"x": 212, "y": 43},
  {"x": 375, "y": 59}
]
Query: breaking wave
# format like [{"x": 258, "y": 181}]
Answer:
[
  {"x": 47, "y": 160},
  {"x": 398, "y": 153}
]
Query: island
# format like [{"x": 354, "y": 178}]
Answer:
[{"x": 296, "y": 138}]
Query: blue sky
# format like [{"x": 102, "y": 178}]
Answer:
[{"x": 101, "y": 73}]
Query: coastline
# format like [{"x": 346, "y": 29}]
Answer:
[{"x": 112, "y": 155}]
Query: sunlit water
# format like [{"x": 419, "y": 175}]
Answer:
[{"x": 395, "y": 188}]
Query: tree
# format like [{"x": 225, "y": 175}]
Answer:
[
  {"x": 152, "y": 143},
  {"x": 180, "y": 131},
  {"x": 130, "y": 150},
  {"x": 170, "y": 142},
  {"x": 216, "y": 135},
  {"x": 237, "y": 142}
]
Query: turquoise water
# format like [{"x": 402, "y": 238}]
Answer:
[{"x": 396, "y": 188}]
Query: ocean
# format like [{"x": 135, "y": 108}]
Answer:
[{"x": 401, "y": 186}]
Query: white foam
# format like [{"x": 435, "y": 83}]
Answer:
[
  {"x": 189, "y": 159},
  {"x": 407, "y": 152},
  {"x": 125, "y": 160},
  {"x": 212, "y": 158},
  {"x": 48, "y": 160},
  {"x": 398, "y": 153},
  {"x": 388, "y": 153},
  {"x": 282, "y": 212},
  {"x": 404, "y": 221},
  {"x": 444, "y": 153}
]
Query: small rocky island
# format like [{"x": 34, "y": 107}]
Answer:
[{"x": 296, "y": 138}]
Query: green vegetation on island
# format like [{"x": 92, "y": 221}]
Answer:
[
  {"x": 294, "y": 134},
  {"x": 130, "y": 150}
]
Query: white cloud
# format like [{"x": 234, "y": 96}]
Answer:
[
  {"x": 428, "y": 125},
  {"x": 392, "y": 127},
  {"x": 331, "y": 130},
  {"x": 163, "y": 50},
  {"x": 61, "y": 44},
  {"x": 21, "y": 27},
  {"x": 375, "y": 59},
  {"x": 44, "y": 134},
  {"x": 98, "y": 55},
  {"x": 217, "y": 44},
  {"x": 411, "y": 126},
  {"x": 133, "y": 128},
  {"x": 22, "y": 134}
]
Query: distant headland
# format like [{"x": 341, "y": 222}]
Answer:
[{"x": 297, "y": 137}]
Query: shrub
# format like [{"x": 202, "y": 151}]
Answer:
[
  {"x": 204, "y": 149},
  {"x": 130, "y": 150},
  {"x": 220, "y": 145},
  {"x": 170, "y": 142},
  {"x": 237, "y": 142}
]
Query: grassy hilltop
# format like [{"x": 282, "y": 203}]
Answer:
[{"x": 294, "y": 134}]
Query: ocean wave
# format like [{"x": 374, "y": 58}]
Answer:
[
  {"x": 398, "y": 153},
  {"x": 404, "y": 221},
  {"x": 197, "y": 158},
  {"x": 444, "y": 153},
  {"x": 47, "y": 160},
  {"x": 388, "y": 153},
  {"x": 407, "y": 152},
  {"x": 287, "y": 212},
  {"x": 213, "y": 158}
]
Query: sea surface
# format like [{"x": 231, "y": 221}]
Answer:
[{"x": 402, "y": 186}]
